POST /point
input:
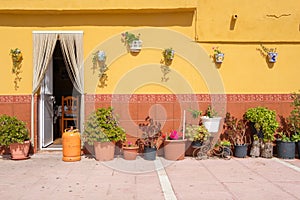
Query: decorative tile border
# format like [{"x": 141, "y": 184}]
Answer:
[
  {"x": 15, "y": 99},
  {"x": 156, "y": 98}
]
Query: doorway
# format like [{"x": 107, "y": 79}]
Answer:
[{"x": 57, "y": 83}]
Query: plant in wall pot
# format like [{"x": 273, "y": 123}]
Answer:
[
  {"x": 235, "y": 130},
  {"x": 218, "y": 55},
  {"x": 102, "y": 130},
  {"x": 168, "y": 55},
  {"x": 264, "y": 124},
  {"x": 151, "y": 138},
  {"x": 132, "y": 41},
  {"x": 271, "y": 53},
  {"x": 14, "y": 134},
  {"x": 174, "y": 146}
]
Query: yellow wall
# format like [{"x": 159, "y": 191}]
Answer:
[{"x": 244, "y": 70}]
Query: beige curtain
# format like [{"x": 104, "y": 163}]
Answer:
[
  {"x": 43, "y": 47},
  {"x": 72, "y": 49}
]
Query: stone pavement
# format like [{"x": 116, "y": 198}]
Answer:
[{"x": 46, "y": 176}]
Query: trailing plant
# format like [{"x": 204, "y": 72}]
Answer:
[
  {"x": 264, "y": 120},
  {"x": 128, "y": 38},
  {"x": 99, "y": 63},
  {"x": 151, "y": 132},
  {"x": 12, "y": 130},
  {"x": 17, "y": 58},
  {"x": 165, "y": 70},
  {"x": 168, "y": 54},
  {"x": 236, "y": 130},
  {"x": 103, "y": 126}
]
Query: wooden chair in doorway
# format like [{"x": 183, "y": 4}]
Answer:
[{"x": 69, "y": 112}]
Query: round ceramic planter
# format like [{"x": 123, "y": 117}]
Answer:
[
  {"x": 174, "y": 149},
  {"x": 286, "y": 150},
  {"x": 104, "y": 151},
  {"x": 19, "y": 151},
  {"x": 130, "y": 153}
]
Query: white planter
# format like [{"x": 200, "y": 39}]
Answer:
[
  {"x": 135, "y": 46},
  {"x": 219, "y": 57},
  {"x": 272, "y": 57},
  {"x": 101, "y": 56},
  {"x": 211, "y": 124}
]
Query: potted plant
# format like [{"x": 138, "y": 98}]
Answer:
[
  {"x": 174, "y": 146},
  {"x": 132, "y": 41},
  {"x": 168, "y": 55},
  {"x": 289, "y": 132},
  {"x": 130, "y": 150},
  {"x": 14, "y": 134},
  {"x": 211, "y": 120},
  {"x": 236, "y": 132},
  {"x": 218, "y": 55},
  {"x": 151, "y": 138},
  {"x": 271, "y": 53},
  {"x": 102, "y": 130},
  {"x": 197, "y": 134},
  {"x": 17, "y": 58},
  {"x": 264, "y": 124}
]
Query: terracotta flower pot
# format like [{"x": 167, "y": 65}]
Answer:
[
  {"x": 174, "y": 149},
  {"x": 104, "y": 151},
  {"x": 19, "y": 151},
  {"x": 130, "y": 153}
]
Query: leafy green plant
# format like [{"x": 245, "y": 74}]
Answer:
[
  {"x": 12, "y": 130},
  {"x": 103, "y": 126},
  {"x": 196, "y": 133},
  {"x": 294, "y": 117},
  {"x": 128, "y": 37},
  {"x": 168, "y": 54},
  {"x": 264, "y": 120},
  {"x": 211, "y": 112}
]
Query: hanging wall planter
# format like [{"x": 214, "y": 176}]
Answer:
[
  {"x": 17, "y": 58},
  {"x": 272, "y": 57},
  {"x": 168, "y": 55},
  {"x": 269, "y": 53},
  {"x": 132, "y": 41},
  {"x": 218, "y": 55},
  {"x": 99, "y": 59}
]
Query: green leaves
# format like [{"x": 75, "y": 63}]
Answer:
[
  {"x": 264, "y": 119},
  {"x": 12, "y": 130},
  {"x": 102, "y": 126}
]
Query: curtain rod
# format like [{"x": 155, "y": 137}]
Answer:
[{"x": 60, "y": 32}]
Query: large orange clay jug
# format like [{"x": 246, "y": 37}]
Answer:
[{"x": 71, "y": 145}]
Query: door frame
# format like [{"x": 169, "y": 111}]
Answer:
[{"x": 40, "y": 133}]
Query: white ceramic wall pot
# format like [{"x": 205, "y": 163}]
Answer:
[
  {"x": 272, "y": 57},
  {"x": 136, "y": 46},
  {"x": 219, "y": 57}
]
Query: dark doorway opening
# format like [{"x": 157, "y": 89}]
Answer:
[{"x": 62, "y": 86}]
